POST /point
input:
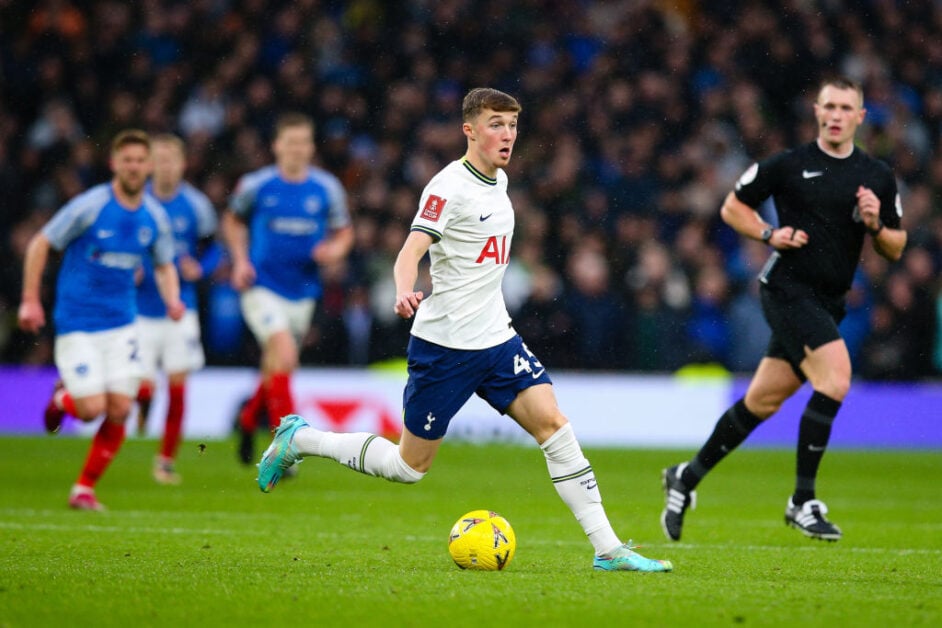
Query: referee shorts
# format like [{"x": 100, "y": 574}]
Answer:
[{"x": 799, "y": 319}]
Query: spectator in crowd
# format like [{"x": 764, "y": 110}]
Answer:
[{"x": 651, "y": 107}]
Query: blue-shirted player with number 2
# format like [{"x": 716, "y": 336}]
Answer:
[
  {"x": 463, "y": 342},
  {"x": 103, "y": 234}
]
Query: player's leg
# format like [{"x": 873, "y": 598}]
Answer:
[
  {"x": 279, "y": 360},
  {"x": 828, "y": 369},
  {"x": 150, "y": 333},
  {"x": 122, "y": 369},
  {"x": 164, "y": 470},
  {"x": 80, "y": 391},
  {"x": 182, "y": 354},
  {"x": 431, "y": 398},
  {"x": 367, "y": 453},
  {"x": 536, "y": 411},
  {"x": 264, "y": 317}
]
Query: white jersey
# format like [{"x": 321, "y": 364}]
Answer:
[{"x": 470, "y": 217}]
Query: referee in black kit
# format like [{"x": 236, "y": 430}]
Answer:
[{"x": 829, "y": 195}]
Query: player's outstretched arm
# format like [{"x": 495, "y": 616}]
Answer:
[
  {"x": 406, "y": 273},
  {"x": 31, "y": 316}
]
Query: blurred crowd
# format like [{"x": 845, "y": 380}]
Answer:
[{"x": 638, "y": 118}]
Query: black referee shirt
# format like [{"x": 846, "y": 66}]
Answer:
[{"x": 817, "y": 193}]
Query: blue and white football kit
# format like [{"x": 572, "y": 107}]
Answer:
[
  {"x": 463, "y": 342},
  {"x": 175, "y": 345},
  {"x": 286, "y": 220},
  {"x": 104, "y": 243}
]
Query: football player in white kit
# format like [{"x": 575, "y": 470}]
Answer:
[{"x": 463, "y": 342}]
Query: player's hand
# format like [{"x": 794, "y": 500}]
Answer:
[
  {"x": 327, "y": 252},
  {"x": 869, "y": 206},
  {"x": 31, "y": 316},
  {"x": 190, "y": 269},
  {"x": 176, "y": 310},
  {"x": 407, "y": 303},
  {"x": 788, "y": 238},
  {"x": 243, "y": 275}
]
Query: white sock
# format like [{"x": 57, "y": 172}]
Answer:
[
  {"x": 363, "y": 452},
  {"x": 575, "y": 482}
]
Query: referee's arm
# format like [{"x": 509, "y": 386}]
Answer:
[
  {"x": 888, "y": 242},
  {"x": 747, "y": 222}
]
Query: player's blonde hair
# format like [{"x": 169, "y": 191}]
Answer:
[
  {"x": 293, "y": 119},
  {"x": 481, "y": 98},
  {"x": 169, "y": 139},
  {"x": 128, "y": 137}
]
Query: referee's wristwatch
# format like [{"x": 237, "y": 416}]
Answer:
[
  {"x": 767, "y": 234},
  {"x": 880, "y": 225}
]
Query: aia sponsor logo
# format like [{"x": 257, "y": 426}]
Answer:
[
  {"x": 433, "y": 207},
  {"x": 495, "y": 249}
]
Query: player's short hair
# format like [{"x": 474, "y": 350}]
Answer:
[
  {"x": 171, "y": 139},
  {"x": 128, "y": 137},
  {"x": 841, "y": 82},
  {"x": 481, "y": 98},
  {"x": 293, "y": 119}
]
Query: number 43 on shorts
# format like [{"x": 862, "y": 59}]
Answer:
[{"x": 529, "y": 364}]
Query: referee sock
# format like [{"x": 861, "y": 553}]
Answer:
[
  {"x": 730, "y": 431},
  {"x": 575, "y": 482},
  {"x": 814, "y": 431},
  {"x": 363, "y": 452}
]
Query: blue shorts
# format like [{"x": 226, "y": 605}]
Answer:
[{"x": 441, "y": 380}]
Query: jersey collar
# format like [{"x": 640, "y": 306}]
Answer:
[{"x": 480, "y": 176}]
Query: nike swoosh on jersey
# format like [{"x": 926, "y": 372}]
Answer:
[
  {"x": 809, "y": 174},
  {"x": 105, "y": 233},
  {"x": 483, "y": 217}
]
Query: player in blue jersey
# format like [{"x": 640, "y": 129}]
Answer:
[
  {"x": 103, "y": 233},
  {"x": 172, "y": 345},
  {"x": 463, "y": 342},
  {"x": 284, "y": 221}
]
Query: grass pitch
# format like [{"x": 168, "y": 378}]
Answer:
[{"x": 333, "y": 547}]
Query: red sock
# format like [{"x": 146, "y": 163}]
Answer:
[
  {"x": 280, "y": 402},
  {"x": 105, "y": 445},
  {"x": 64, "y": 401},
  {"x": 248, "y": 416},
  {"x": 174, "y": 424},
  {"x": 145, "y": 392}
]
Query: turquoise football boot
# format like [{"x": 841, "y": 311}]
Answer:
[{"x": 281, "y": 454}]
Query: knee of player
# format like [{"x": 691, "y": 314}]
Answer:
[
  {"x": 118, "y": 408},
  {"x": 835, "y": 387}
]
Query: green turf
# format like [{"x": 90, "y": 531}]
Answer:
[{"x": 335, "y": 548}]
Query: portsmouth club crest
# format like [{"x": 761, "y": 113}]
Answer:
[{"x": 145, "y": 235}]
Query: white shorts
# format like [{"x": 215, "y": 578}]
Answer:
[
  {"x": 173, "y": 346},
  {"x": 93, "y": 363},
  {"x": 266, "y": 313}
]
